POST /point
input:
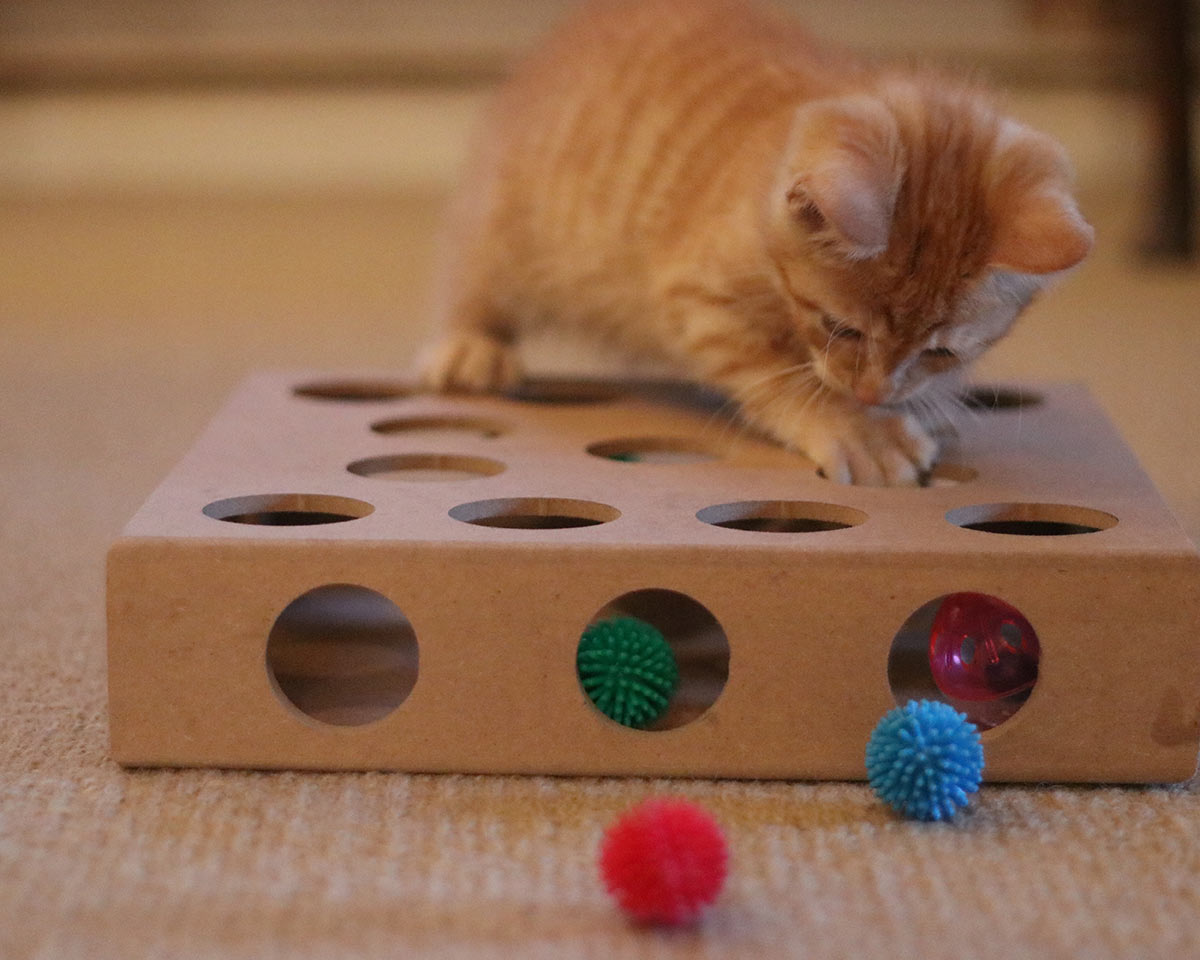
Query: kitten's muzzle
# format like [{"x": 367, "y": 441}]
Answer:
[{"x": 870, "y": 394}]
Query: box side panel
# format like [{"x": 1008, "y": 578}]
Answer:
[{"x": 808, "y": 638}]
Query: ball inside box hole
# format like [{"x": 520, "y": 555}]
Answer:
[
  {"x": 287, "y": 509},
  {"x": 342, "y": 654},
  {"x": 1031, "y": 519},
  {"x": 655, "y": 450},
  {"x": 426, "y": 467},
  {"x": 695, "y": 637},
  {"x": 781, "y": 516},
  {"x": 974, "y": 651},
  {"x": 353, "y": 391}
]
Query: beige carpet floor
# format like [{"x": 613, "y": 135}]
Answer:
[{"x": 124, "y": 321}]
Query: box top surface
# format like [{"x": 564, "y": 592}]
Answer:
[{"x": 298, "y": 456}]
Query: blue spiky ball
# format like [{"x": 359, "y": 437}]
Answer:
[
  {"x": 627, "y": 669},
  {"x": 924, "y": 760}
]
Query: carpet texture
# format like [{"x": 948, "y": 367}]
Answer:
[{"x": 123, "y": 326}]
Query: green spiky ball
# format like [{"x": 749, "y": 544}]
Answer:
[{"x": 627, "y": 669}]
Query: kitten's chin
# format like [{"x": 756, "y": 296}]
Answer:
[
  {"x": 896, "y": 401},
  {"x": 840, "y": 390},
  {"x": 846, "y": 392}
]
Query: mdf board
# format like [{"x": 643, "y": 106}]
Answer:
[{"x": 346, "y": 574}]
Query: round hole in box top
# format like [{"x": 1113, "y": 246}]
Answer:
[
  {"x": 426, "y": 467},
  {"x": 534, "y": 513},
  {"x": 781, "y": 516},
  {"x": 342, "y": 654},
  {"x": 942, "y": 475},
  {"x": 974, "y": 651},
  {"x": 564, "y": 391},
  {"x": 999, "y": 399},
  {"x": 353, "y": 391},
  {"x": 655, "y": 450},
  {"x": 287, "y": 509},
  {"x": 451, "y": 426},
  {"x": 653, "y": 659},
  {"x": 1031, "y": 519},
  {"x": 950, "y": 475}
]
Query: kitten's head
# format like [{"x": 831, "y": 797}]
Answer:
[{"x": 911, "y": 225}]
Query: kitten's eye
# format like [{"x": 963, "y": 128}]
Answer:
[
  {"x": 939, "y": 353},
  {"x": 838, "y": 330}
]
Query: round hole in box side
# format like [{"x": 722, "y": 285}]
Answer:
[
  {"x": 534, "y": 513},
  {"x": 1031, "y": 519},
  {"x": 974, "y": 651},
  {"x": 781, "y": 516},
  {"x": 473, "y": 426},
  {"x": 697, "y": 643},
  {"x": 655, "y": 450},
  {"x": 426, "y": 467},
  {"x": 353, "y": 391},
  {"x": 287, "y": 509},
  {"x": 342, "y": 654}
]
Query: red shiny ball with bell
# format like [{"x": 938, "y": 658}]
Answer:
[{"x": 981, "y": 648}]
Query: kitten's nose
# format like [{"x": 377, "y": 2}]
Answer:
[{"x": 868, "y": 394}]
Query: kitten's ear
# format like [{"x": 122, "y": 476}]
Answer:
[
  {"x": 843, "y": 170},
  {"x": 1037, "y": 229}
]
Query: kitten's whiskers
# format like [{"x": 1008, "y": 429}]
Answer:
[{"x": 751, "y": 392}]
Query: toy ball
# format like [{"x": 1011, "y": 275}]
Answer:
[
  {"x": 981, "y": 648},
  {"x": 924, "y": 759},
  {"x": 627, "y": 669},
  {"x": 664, "y": 861}
]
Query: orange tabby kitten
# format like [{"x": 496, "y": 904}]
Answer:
[{"x": 828, "y": 242}]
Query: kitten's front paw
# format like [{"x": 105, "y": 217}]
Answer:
[
  {"x": 470, "y": 363},
  {"x": 872, "y": 449}
]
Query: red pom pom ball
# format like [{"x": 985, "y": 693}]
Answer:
[{"x": 664, "y": 861}]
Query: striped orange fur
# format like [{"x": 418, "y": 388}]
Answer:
[{"x": 831, "y": 242}]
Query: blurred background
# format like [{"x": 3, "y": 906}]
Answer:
[{"x": 192, "y": 189}]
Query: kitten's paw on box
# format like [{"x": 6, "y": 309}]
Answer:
[
  {"x": 470, "y": 363},
  {"x": 872, "y": 450}
]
